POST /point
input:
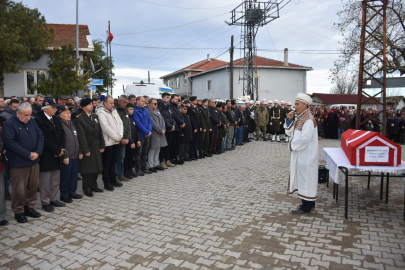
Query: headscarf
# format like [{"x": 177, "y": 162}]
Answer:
[{"x": 333, "y": 111}]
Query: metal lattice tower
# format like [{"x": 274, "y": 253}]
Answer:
[
  {"x": 251, "y": 15},
  {"x": 373, "y": 58}
]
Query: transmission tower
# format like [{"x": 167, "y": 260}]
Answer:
[
  {"x": 251, "y": 15},
  {"x": 373, "y": 59}
]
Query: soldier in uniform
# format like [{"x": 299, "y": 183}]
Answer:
[
  {"x": 92, "y": 144},
  {"x": 288, "y": 109},
  {"x": 205, "y": 122},
  {"x": 282, "y": 130},
  {"x": 276, "y": 120},
  {"x": 261, "y": 121}
]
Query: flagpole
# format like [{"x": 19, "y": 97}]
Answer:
[
  {"x": 108, "y": 70},
  {"x": 109, "y": 36}
]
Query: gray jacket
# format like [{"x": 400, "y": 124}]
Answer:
[
  {"x": 71, "y": 141},
  {"x": 158, "y": 125}
]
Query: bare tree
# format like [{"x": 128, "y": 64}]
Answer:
[{"x": 345, "y": 83}]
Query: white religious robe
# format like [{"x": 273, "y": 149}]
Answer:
[{"x": 303, "y": 145}]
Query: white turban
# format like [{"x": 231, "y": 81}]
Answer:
[{"x": 304, "y": 98}]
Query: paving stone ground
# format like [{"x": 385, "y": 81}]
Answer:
[{"x": 226, "y": 212}]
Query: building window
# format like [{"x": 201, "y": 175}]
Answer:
[
  {"x": 177, "y": 82},
  {"x": 168, "y": 83},
  {"x": 32, "y": 77},
  {"x": 209, "y": 85},
  {"x": 185, "y": 80}
]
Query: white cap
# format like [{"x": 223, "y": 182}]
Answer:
[
  {"x": 289, "y": 104},
  {"x": 247, "y": 101},
  {"x": 251, "y": 102},
  {"x": 304, "y": 98},
  {"x": 282, "y": 102},
  {"x": 275, "y": 101},
  {"x": 270, "y": 102},
  {"x": 264, "y": 100},
  {"x": 257, "y": 102}
]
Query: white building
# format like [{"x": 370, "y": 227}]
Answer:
[{"x": 210, "y": 78}]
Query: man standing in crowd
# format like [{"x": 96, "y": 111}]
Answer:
[
  {"x": 230, "y": 114},
  {"x": 132, "y": 99},
  {"x": 69, "y": 172},
  {"x": 9, "y": 110},
  {"x": 95, "y": 104},
  {"x": 157, "y": 139},
  {"x": 304, "y": 154},
  {"x": 36, "y": 107},
  {"x": 112, "y": 127},
  {"x": 54, "y": 149},
  {"x": 261, "y": 121},
  {"x": 144, "y": 123},
  {"x": 276, "y": 120},
  {"x": 240, "y": 126},
  {"x": 3, "y": 221},
  {"x": 123, "y": 113},
  {"x": 288, "y": 109},
  {"x": 92, "y": 145},
  {"x": 248, "y": 118},
  {"x": 199, "y": 103},
  {"x": 178, "y": 118},
  {"x": 62, "y": 99},
  {"x": 205, "y": 122},
  {"x": 170, "y": 124},
  {"x": 24, "y": 143},
  {"x": 1, "y": 105},
  {"x": 221, "y": 129},
  {"x": 78, "y": 110},
  {"x": 284, "y": 117},
  {"x": 192, "y": 112},
  {"x": 215, "y": 119}
]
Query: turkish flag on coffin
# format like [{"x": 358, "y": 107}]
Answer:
[{"x": 370, "y": 148}]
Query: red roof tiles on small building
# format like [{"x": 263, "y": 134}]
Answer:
[
  {"x": 201, "y": 66},
  {"x": 65, "y": 33}
]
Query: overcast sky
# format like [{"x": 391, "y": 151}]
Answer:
[{"x": 303, "y": 25}]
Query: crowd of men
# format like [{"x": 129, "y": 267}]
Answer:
[{"x": 47, "y": 145}]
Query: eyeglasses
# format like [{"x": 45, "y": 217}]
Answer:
[{"x": 154, "y": 103}]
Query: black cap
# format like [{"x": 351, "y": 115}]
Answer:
[
  {"x": 233, "y": 102},
  {"x": 219, "y": 104},
  {"x": 62, "y": 109},
  {"x": 192, "y": 98},
  {"x": 85, "y": 102}
]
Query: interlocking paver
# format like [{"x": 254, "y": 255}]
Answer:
[{"x": 226, "y": 212}]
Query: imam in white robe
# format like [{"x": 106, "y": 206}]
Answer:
[{"x": 303, "y": 145}]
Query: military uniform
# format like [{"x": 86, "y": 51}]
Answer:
[
  {"x": 276, "y": 120},
  {"x": 205, "y": 123},
  {"x": 221, "y": 131},
  {"x": 286, "y": 112},
  {"x": 261, "y": 119},
  {"x": 91, "y": 140}
]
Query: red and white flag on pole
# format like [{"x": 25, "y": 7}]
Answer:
[{"x": 109, "y": 35}]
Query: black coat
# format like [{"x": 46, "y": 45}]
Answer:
[
  {"x": 187, "y": 130},
  {"x": 35, "y": 109},
  {"x": 54, "y": 137},
  {"x": 192, "y": 112},
  {"x": 167, "y": 114},
  {"x": 177, "y": 115},
  {"x": 397, "y": 122},
  {"x": 134, "y": 133},
  {"x": 214, "y": 117}
]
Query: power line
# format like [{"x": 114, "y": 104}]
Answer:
[
  {"x": 182, "y": 7},
  {"x": 272, "y": 43}
]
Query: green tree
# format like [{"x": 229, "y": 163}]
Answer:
[
  {"x": 62, "y": 78},
  {"x": 24, "y": 37},
  {"x": 349, "y": 27},
  {"x": 98, "y": 56}
]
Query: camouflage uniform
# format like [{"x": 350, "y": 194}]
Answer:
[{"x": 261, "y": 119}]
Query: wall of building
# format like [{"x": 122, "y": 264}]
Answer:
[
  {"x": 183, "y": 89},
  {"x": 281, "y": 84},
  {"x": 219, "y": 84}
]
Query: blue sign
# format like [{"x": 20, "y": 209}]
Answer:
[
  {"x": 92, "y": 87},
  {"x": 97, "y": 81}
]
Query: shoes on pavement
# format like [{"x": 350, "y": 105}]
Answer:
[
  {"x": 187, "y": 159},
  {"x": 30, "y": 212},
  {"x": 108, "y": 187},
  {"x": 153, "y": 170},
  {"x": 97, "y": 190},
  {"x": 3, "y": 222},
  {"x": 170, "y": 164},
  {"x": 77, "y": 196},
  {"x": 57, "y": 204},
  {"x": 134, "y": 175},
  {"x": 20, "y": 218},
  {"x": 140, "y": 173},
  {"x": 66, "y": 199},
  {"x": 89, "y": 194},
  {"x": 180, "y": 162},
  {"x": 163, "y": 165},
  {"x": 159, "y": 168},
  {"x": 299, "y": 211},
  {"x": 147, "y": 172},
  {"x": 116, "y": 184},
  {"x": 123, "y": 178},
  {"x": 201, "y": 156},
  {"x": 48, "y": 208}
]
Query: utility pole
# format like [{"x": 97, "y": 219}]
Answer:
[
  {"x": 107, "y": 83},
  {"x": 77, "y": 37},
  {"x": 148, "y": 76},
  {"x": 109, "y": 72},
  {"x": 231, "y": 70}
]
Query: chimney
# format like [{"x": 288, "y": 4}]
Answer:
[
  {"x": 208, "y": 58},
  {"x": 286, "y": 57}
]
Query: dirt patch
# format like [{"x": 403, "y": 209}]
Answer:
[{"x": 30, "y": 242}]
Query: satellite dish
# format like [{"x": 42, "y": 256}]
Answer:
[{"x": 92, "y": 66}]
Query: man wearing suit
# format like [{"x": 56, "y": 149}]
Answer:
[
  {"x": 158, "y": 138},
  {"x": 51, "y": 159},
  {"x": 215, "y": 123},
  {"x": 92, "y": 145},
  {"x": 205, "y": 122},
  {"x": 192, "y": 112}
]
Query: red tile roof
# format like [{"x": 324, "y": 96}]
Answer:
[
  {"x": 65, "y": 33},
  {"x": 201, "y": 66},
  {"x": 342, "y": 98},
  {"x": 267, "y": 62}
]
